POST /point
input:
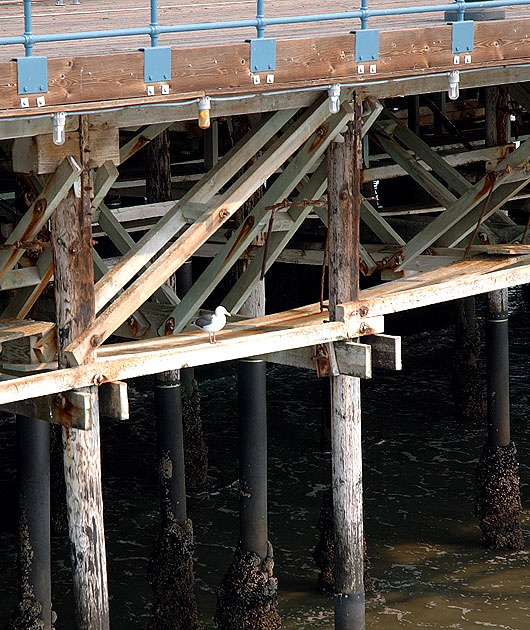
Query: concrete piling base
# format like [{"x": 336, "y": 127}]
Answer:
[
  {"x": 499, "y": 499},
  {"x": 248, "y": 596}
]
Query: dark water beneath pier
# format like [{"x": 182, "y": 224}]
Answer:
[{"x": 419, "y": 466}]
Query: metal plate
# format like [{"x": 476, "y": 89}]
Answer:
[
  {"x": 262, "y": 54},
  {"x": 157, "y": 64},
  {"x": 32, "y": 75},
  {"x": 463, "y": 37},
  {"x": 366, "y": 45}
]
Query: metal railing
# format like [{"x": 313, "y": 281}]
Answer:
[{"x": 29, "y": 39}]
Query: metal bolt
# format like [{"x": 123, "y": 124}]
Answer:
[{"x": 95, "y": 341}]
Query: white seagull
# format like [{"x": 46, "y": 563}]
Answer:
[{"x": 211, "y": 323}]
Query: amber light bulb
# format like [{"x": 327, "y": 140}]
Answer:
[{"x": 204, "y": 107}]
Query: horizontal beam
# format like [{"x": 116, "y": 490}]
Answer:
[
  {"x": 350, "y": 358},
  {"x": 69, "y": 409},
  {"x": 459, "y": 280}
]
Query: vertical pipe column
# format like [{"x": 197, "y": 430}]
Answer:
[
  {"x": 171, "y": 567},
  {"x": 498, "y": 369},
  {"x": 74, "y": 302},
  {"x": 170, "y": 448},
  {"x": 344, "y": 199},
  {"x": 34, "y": 558},
  {"x": 195, "y": 449},
  {"x": 499, "y": 497},
  {"x": 252, "y": 399}
]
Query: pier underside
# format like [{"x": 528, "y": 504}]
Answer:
[{"x": 459, "y": 242}]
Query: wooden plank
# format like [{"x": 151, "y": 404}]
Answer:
[
  {"x": 301, "y": 164},
  {"x": 386, "y": 351},
  {"x": 40, "y": 211},
  {"x": 432, "y": 291},
  {"x": 69, "y": 409},
  {"x": 353, "y": 359},
  {"x": 172, "y": 222},
  {"x": 11, "y": 329},
  {"x": 197, "y": 234},
  {"x": 40, "y": 155},
  {"x": 225, "y": 68},
  {"x": 113, "y": 400}
]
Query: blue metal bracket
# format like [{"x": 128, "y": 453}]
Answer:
[
  {"x": 366, "y": 45},
  {"x": 32, "y": 75},
  {"x": 262, "y": 54},
  {"x": 157, "y": 64},
  {"x": 463, "y": 38}
]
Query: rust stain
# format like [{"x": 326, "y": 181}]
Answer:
[
  {"x": 320, "y": 135},
  {"x": 247, "y": 226},
  {"x": 65, "y": 410},
  {"x": 322, "y": 360}
]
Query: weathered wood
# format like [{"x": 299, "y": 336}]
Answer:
[
  {"x": 141, "y": 139},
  {"x": 198, "y": 233},
  {"x": 40, "y": 155},
  {"x": 421, "y": 51},
  {"x": 40, "y": 211},
  {"x": 71, "y": 409},
  {"x": 113, "y": 400},
  {"x": 74, "y": 300},
  {"x": 281, "y": 188},
  {"x": 386, "y": 351},
  {"x": 172, "y": 221},
  {"x": 344, "y": 203},
  {"x": 440, "y": 285}
]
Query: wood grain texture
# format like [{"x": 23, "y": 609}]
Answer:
[
  {"x": 313, "y": 57},
  {"x": 74, "y": 299}
]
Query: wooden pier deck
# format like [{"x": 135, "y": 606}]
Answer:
[{"x": 109, "y": 72}]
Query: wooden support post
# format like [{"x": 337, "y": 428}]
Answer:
[
  {"x": 74, "y": 299},
  {"x": 34, "y": 558},
  {"x": 344, "y": 199}
]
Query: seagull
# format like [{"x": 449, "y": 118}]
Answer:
[{"x": 212, "y": 323}]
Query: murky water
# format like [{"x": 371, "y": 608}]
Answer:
[{"x": 419, "y": 492}]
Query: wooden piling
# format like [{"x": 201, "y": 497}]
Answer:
[
  {"x": 344, "y": 203},
  {"x": 74, "y": 300}
]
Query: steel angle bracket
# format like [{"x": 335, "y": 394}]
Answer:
[
  {"x": 157, "y": 64},
  {"x": 262, "y": 54},
  {"x": 463, "y": 36},
  {"x": 366, "y": 45},
  {"x": 32, "y": 75}
]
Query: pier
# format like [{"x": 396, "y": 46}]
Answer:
[{"x": 387, "y": 145}]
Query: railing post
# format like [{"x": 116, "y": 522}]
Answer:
[
  {"x": 260, "y": 15},
  {"x": 364, "y": 17},
  {"x": 28, "y": 28},
  {"x": 154, "y": 23}
]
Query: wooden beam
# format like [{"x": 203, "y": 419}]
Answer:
[
  {"x": 40, "y": 211},
  {"x": 69, "y": 409},
  {"x": 172, "y": 222},
  {"x": 459, "y": 280},
  {"x": 113, "y": 400},
  {"x": 485, "y": 191},
  {"x": 304, "y": 160},
  {"x": 277, "y": 242},
  {"x": 141, "y": 139},
  {"x": 197, "y": 234},
  {"x": 386, "y": 351}
]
